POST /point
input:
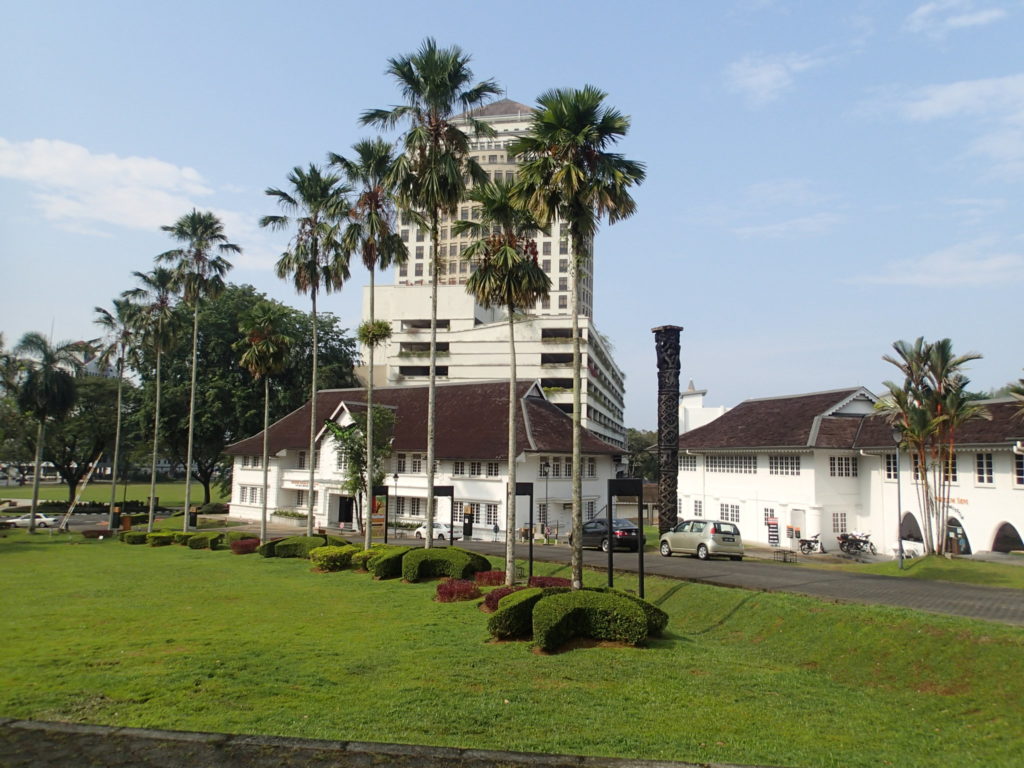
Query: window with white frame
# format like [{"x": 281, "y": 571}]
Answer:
[
  {"x": 838, "y": 522},
  {"x": 543, "y": 466},
  {"x": 302, "y": 499},
  {"x": 730, "y": 513},
  {"x": 417, "y": 463},
  {"x": 687, "y": 463},
  {"x": 698, "y": 508},
  {"x": 891, "y": 466},
  {"x": 416, "y": 507},
  {"x": 245, "y": 461},
  {"x": 783, "y": 465},
  {"x": 731, "y": 463},
  {"x": 459, "y": 468},
  {"x": 769, "y": 514},
  {"x": 257, "y": 461},
  {"x": 400, "y": 505},
  {"x": 984, "y": 474},
  {"x": 316, "y": 459},
  {"x": 492, "y": 469},
  {"x": 842, "y": 466},
  {"x": 341, "y": 462},
  {"x": 556, "y": 466},
  {"x": 302, "y": 459},
  {"x": 400, "y": 463},
  {"x": 1019, "y": 469},
  {"x": 591, "y": 467},
  {"x": 542, "y": 514},
  {"x": 243, "y": 494},
  {"x": 949, "y": 469},
  {"x": 490, "y": 512},
  {"x": 916, "y": 462},
  {"x": 475, "y": 468},
  {"x": 590, "y": 508}
]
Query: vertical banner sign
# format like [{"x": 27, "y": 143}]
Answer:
[
  {"x": 773, "y": 531},
  {"x": 666, "y": 344}
]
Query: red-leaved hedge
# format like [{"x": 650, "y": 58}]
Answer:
[
  {"x": 550, "y": 581},
  {"x": 244, "y": 546},
  {"x": 454, "y": 590},
  {"x": 490, "y": 578},
  {"x": 491, "y": 601}
]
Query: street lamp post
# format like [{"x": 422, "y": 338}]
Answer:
[
  {"x": 544, "y": 471},
  {"x": 897, "y": 437}
]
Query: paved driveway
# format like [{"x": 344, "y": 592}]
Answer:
[{"x": 988, "y": 603}]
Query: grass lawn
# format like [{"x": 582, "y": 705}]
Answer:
[
  {"x": 940, "y": 569},
  {"x": 103, "y": 632},
  {"x": 170, "y": 494}
]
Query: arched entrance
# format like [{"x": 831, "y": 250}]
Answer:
[
  {"x": 909, "y": 529},
  {"x": 1007, "y": 539},
  {"x": 956, "y": 538}
]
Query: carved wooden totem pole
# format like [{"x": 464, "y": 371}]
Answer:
[{"x": 666, "y": 342}]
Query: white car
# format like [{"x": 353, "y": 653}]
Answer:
[
  {"x": 42, "y": 521},
  {"x": 441, "y": 531}
]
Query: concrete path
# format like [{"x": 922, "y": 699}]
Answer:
[{"x": 977, "y": 602}]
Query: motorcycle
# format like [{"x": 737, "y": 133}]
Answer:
[
  {"x": 811, "y": 545},
  {"x": 852, "y": 543}
]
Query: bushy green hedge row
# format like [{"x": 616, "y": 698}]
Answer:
[
  {"x": 449, "y": 561},
  {"x": 299, "y": 546},
  {"x": 331, "y": 558},
  {"x": 206, "y": 540},
  {"x": 388, "y": 563},
  {"x": 586, "y": 613},
  {"x": 239, "y": 535},
  {"x": 160, "y": 538},
  {"x": 182, "y": 537},
  {"x": 656, "y": 618},
  {"x": 514, "y": 618},
  {"x": 133, "y": 537}
]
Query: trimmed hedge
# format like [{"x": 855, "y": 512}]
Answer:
[
  {"x": 240, "y": 535},
  {"x": 451, "y": 561},
  {"x": 492, "y": 598},
  {"x": 266, "y": 549},
  {"x": 160, "y": 538},
  {"x": 457, "y": 590},
  {"x": 214, "y": 508},
  {"x": 206, "y": 540},
  {"x": 244, "y": 546},
  {"x": 298, "y": 546},
  {"x": 587, "y": 613},
  {"x": 134, "y": 537},
  {"x": 514, "y": 618},
  {"x": 387, "y": 563},
  {"x": 550, "y": 581},
  {"x": 331, "y": 558},
  {"x": 181, "y": 537},
  {"x": 490, "y": 578},
  {"x": 656, "y": 618}
]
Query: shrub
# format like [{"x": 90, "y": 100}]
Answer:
[
  {"x": 455, "y": 590},
  {"x": 160, "y": 538},
  {"x": 206, "y": 540},
  {"x": 587, "y": 613},
  {"x": 361, "y": 558},
  {"x": 331, "y": 558},
  {"x": 450, "y": 561},
  {"x": 244, "y": 546},
  {"x": 95, "y": 533},
  {"x": 490, "y": 578},
  {"x": 298, "y": 546},
  {"x": 656, "y": 618},
  {"x": 240, "y": 535},
  {"x": 550, "y": 581},
  {"x": 513, "y": 619},
  {"x": 134, "y": 537},
  {"x": 387, "y": 562},
  {"x": 182, "y": 538},
  {"x": 494, "y": 596},
  {"x": 267, "y": 548},
  {"x": 214, "y": 508},
  {"x": 337, "y": 541}
]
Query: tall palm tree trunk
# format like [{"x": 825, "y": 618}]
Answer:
[
  {"x": 369, "y": 437},
  {"x": 191, "y": 417},
  {"x": 156, "y": 441},
  {"x": 577, "y": 428},
  {"x": 266, "y": 457},
  {"x": 311, "y": 458},
  {"x": 117, "y": 446},
  {"x": 510, "y": 502},
  {"x": 432, "y": 384},
  {"x": 40, "y": 434}
]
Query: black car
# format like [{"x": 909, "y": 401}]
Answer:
[{"x": 625, "y": 535}]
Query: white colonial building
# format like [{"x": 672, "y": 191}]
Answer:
[
  {"x": 825, "y": 463},
  {"x": 471, "y": 450}
]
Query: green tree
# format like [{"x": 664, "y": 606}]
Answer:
[
  {"x": 199, "y": 269},
  {"x": 264, "y": 353},
  {"x": 351, "y": 440},
  {"x": 154, "y": 321},
  {"x": 431, "y": 174},
  {"x": 371, "y": 234},
  {"x": 47, "y": 392},
  {"x": 119, "y": 341},
  {"x": 642, "y": 448},
  {"x": 507, "y": 275},
  {"x": 315, "y": 259},
  {"x": 568, "y": 173}
]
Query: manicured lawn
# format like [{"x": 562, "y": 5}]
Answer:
[
  {"x": 940, "y": 569},
  {"x": 170, "y": 494},
  {"x": 168, "y": 637}
]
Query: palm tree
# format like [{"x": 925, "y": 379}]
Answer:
[
  {"x": 47, "y": 391},
  {"x": 153, "y": 320},
  {"x": 568, "y": 173},
  {"x": 1017, "y": 393},
  {"x": 264, "y": 351},
  {"x": 118, "y": 326},
  {"x": 199, "y": 269},
  {"x": 431, "y": 174},
  {"x": 507, "y": 275},
  {"x": 10, "y": 368},
  {"x": 315, "y": 259},
  {"x": 371, "y": 233}
]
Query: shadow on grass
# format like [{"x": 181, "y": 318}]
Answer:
[{"x": 725, "y": 617}]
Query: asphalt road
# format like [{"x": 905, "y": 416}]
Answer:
[{"x": 997, "y": 604}]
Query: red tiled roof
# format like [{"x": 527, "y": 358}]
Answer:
[{"x": 471, "y": 422}]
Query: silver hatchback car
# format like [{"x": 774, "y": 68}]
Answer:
[{"x": 703, "y": 538}]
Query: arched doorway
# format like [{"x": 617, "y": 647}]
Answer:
[
  {"x": 956, "y": 538},
  {"x": 1007, "y": 539},
  {"x": 909, "y": 529}
]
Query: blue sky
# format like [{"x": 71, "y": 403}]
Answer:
[{"x": 823, "y": 177}]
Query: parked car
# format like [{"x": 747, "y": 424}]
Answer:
[
  {"x": 441, "y": 532},
  {"x": 42, "y": 521},
  {"x": 625, "y": 535},
  {"x": 703, "y": 538}
]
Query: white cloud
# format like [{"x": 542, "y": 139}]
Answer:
[
  {"x": 814, "y": 224},
  {"x": 976, "y": 263},
  {"x": 79, "y": 190},
  {"x": 938, "y": 18},
  {"x": 763, "y": 79}
]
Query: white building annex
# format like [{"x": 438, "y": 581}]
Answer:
[
  {"x": 825, "y": 463},
  {"x": 471, "y": 450},
  {"x": 472, "y": 342}
]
